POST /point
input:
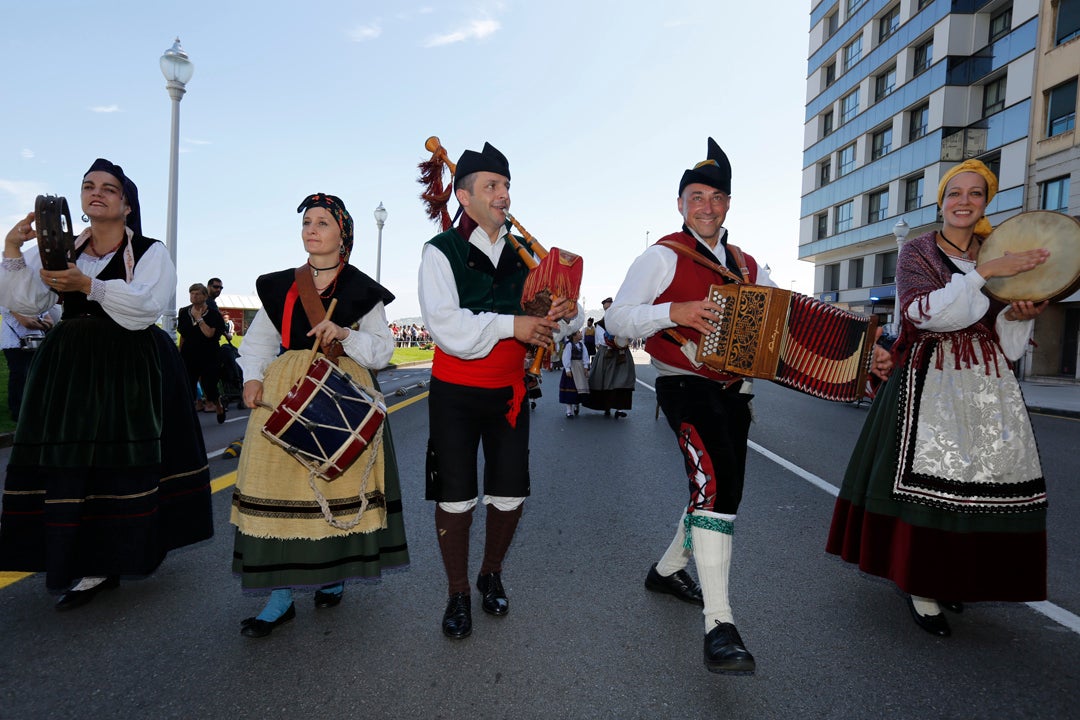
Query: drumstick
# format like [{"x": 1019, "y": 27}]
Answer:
[{"x": 315, "y": 347}]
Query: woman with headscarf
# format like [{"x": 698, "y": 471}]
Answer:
[
  {"x": 108, "y": 471},
  {"x": 284, "y": 540},
  {"x": 944, "y": 494}
]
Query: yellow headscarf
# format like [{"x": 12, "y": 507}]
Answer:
[{"x": 983, "y": 227}]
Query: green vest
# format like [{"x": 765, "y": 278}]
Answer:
[{"x": 481, "y": 286}]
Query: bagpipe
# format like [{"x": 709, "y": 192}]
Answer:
[{"x": 554, "y": 274}]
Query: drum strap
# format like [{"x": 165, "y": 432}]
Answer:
[{"x": 314, "y": 309}]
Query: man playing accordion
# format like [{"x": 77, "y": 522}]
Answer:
[{"x": 709, "y": 411}]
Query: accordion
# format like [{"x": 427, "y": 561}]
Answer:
[{"x": 791, "y": 339}]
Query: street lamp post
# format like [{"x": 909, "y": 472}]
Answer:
[
  {"x": 380, "y": 220},
  {"x": 900, "y": 230},
  {"x": 177, "y": 69}
]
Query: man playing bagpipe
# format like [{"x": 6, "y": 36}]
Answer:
[{"x": 470, "y": 290}]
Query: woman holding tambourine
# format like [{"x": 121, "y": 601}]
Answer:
[
  {"x": 294, "y": 529},
  {"x": 108, "y": 470},
  {"x": 944, "y": 494}
]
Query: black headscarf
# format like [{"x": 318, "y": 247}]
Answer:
[
  {"x": 131, "y": 193},
  {"x": 337, "y": 209}
]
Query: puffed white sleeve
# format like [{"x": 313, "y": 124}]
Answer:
[
  {"x": 259, "y": 348},
  {"x": 632, "y": 313},
  {"x": 372, "y": 344}
]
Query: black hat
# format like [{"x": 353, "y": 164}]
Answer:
[
  {"x": 131, "y": 193},
  {"x": 606, "y": 300},
  {"x": 715, "y": 171},
  {"x": 489, "y": 159}
]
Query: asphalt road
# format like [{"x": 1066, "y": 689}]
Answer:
[{"x": 583, "y": 638}]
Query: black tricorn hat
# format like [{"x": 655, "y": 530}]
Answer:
[
  {"x": 714, "y": 171},
  {"x": 489, "y": 159}
]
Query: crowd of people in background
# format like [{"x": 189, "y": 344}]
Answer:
[{"x": 410, "y": 335}]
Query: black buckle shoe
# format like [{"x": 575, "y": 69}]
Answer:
[
  {"x": 77, "y": 598},
  {"x": 256, "y": 628},
  {"x": 933, "y": 624},
  {"x": 494, "y": 596},
  {"x": 678, "y": 583},
  {"x": 953, "y": 607},
  {"x": 725, "y": 652},
  {"x": 457, "y": 620},
  {"x": 327, "y": 600}
]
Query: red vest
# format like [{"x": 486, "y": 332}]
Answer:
[{"x": 691, "y": 282}]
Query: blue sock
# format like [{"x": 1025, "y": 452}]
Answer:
[
  {"x": 333, "y": 589},
  {"x": 279, "y": 602}
]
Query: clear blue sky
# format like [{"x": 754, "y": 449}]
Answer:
[{"x": 599, "y": 107}]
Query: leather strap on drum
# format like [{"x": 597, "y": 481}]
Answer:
[{"x": 314, "y": 309}]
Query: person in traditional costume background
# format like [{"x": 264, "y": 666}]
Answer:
[
  {"x": 575, "y": 377},
  {"x": 284, "y": 541},
  {"x": 470, "y": 286},
  {"x": 708, "y": 411},
  {"x": 944, "y": 493},
  {"x": 108, "y": 471},
  {"x": 200, "y": 327},
  {"x": 612, "y": 376}
]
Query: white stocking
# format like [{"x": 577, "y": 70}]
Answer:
[
  {"x": 712, "y": 554},
  {"x": 676, "y": 557}
]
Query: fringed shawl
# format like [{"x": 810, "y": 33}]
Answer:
[{"x": 922, "y": 268}]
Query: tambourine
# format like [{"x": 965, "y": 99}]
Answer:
[
  {"x": 56, "y": 243},
  {"x": 1055, "y": 279}
]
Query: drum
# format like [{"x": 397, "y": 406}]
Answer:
[
  {"x": 1055, "y": 279},
  {"x": 326, "y": 420}
]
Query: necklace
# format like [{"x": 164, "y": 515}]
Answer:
[
  {"x": 962, "y": 251},
  {"x": 316, "y": 270}
]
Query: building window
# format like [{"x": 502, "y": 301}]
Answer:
[
  {"x": 831, "y": 24},
  {"x": 993, "y": 163},
  {"x": 1054, "y": 194},
  {"x": 832, "y": 277},
  {"x": 994, "y": 96},
  {"x": 822, "y": 226},
  {"x": 879, "y": 206},
  {"x": 849, "y": 106},
  {"x": 852, "y": 53},
  {"x": 855, "y": 271},
  {"x": 881, "y": 143},
  {"x": 884, "y": 83},
  {"x": 888, "y": 23},
  {"x": 888, "y": 267},
  {"x": 924, "y": 56},
  {"x": 844, "y": 218},
  {"x": 1061, "y": 108},
  {"x": 924, "y": 3},
  {"x": 920, "y": 122},
  {"x": 847, "y": 161},
  {"x": 1067, "y": 25},
  {"x": 827, "y": 124},
  {"x": 1000, "y": 24},
  {"x": 830, "y": 74},
  {"x": 853, "y": 5},
  {"x": 913, "y": 190},
  {"x": 824, "y": 173}
]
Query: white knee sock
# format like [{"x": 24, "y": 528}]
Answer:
[
  {"x": 676, "y": 557},
  {"x": 712, "y": 555}
]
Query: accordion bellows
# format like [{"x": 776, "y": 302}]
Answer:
[{"x": 791, "y": 339}]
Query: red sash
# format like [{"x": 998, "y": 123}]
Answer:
[{"x": 503, "y": 367}]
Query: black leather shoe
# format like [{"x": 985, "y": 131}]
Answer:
[
  {"x": 255, "y": 628},
  {"x": 327, "y": 600},
  {"x": 494, "y": 601},
  {"x": 77, "y": 598},
  {"x": 725, "y": 652},
  {"x": 619, "y": 414},
  {"x": 933, "y": 624},
  {"x": 953, "y": 607},
  {"x": 678, "y": 583},
  {"x": 457, "y": 620}
]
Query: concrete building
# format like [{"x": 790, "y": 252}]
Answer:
[{"x": 898, "y": 91}]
